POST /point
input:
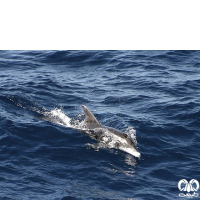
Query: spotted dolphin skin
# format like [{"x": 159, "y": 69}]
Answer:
[{"x": 110, "y": 136}]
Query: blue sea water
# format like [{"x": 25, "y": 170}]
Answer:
[{"x": 157, "y": 93}]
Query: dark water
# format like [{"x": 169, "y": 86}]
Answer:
[{"x": 155, "y": 92}]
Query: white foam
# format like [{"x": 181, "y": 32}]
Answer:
[
  {"x": 131, "y": 132},
  {"x": 58, "y": 116}
]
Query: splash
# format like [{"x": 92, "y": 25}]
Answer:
[
  {"x": 131, "y": 132},
  {"x": 57, "y": 116}
]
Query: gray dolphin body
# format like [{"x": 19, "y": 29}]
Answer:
[{"x": 110, "y": 136}]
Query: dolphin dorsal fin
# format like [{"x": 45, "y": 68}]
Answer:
[{"x": 89, "y": 117}]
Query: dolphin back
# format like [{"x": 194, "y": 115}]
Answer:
[
  {"x": 90, "y": 120},
  {"x": 123, "y": 142}
]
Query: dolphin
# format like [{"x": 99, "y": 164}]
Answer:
[{"x": 110, "y": 136}]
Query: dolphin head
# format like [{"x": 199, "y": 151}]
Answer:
[
  {"x": 131, "y": 150},
  {"x": 123, "y": 142},
  {"x": 127, "y": 146}
]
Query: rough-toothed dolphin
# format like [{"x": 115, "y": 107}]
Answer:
[{"x": 110, "y": 136}]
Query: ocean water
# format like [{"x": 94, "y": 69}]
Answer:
[{"x": 42, "y": 156}]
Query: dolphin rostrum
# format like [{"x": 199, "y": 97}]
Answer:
[{"x": 110, "y": 136}]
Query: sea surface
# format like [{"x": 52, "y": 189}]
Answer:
[{"x": 42, "y": 156}]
